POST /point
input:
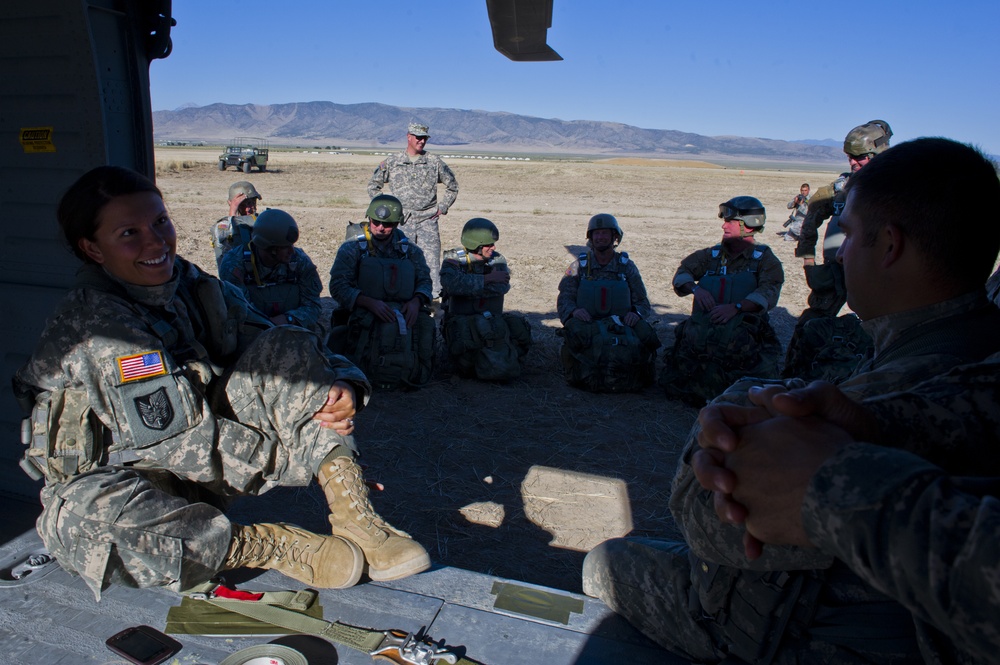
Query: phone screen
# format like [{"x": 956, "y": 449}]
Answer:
[{"x": 143, "y": 645}]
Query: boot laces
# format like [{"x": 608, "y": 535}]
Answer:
[
  {"x": 255, "y": 548},
  {"x": 356, "y": 488}
]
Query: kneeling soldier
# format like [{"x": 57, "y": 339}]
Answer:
[
  {"x": 728, "y": 335},
  {"x": 482, "y": 340},
  {"x": 602, "y": 303},
  {"x": 382, "y": 286}
]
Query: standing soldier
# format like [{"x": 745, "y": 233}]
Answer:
[
  {"x": 602, "y": 304},
  {"x": 483, "y": 340},
  {"x": 234, "y": 230},
  {"x": 826, "y": 281},
  {"x": 382, "y": 287},
  {"x": 413, "y": 175},
  {"x": 800, "y": 208},
  {"x": 735, "y": 284},
  {"x": 276, "y": 277}
]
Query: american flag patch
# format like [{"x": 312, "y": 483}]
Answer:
[{"x": 141, "y": 366}]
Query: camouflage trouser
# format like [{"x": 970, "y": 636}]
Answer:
[
  {"x": 148, "y": 525},
  {"x": 650, "y": 583},
  {"x": 827, "y": 295},
  {"x": 425, "y": 234}
]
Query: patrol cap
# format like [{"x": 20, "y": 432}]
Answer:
[
  {"x": 417, "y": 129},
  {"x": 385, "y": 209},
  {"x": 274, "y": 228},
  {"x": 243, "y": 187},
  {"x": 747, "y": 209}
]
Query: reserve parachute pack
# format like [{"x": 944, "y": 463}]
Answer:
[
  {"x": 706, "y": 357},
  {"x": 487, "y": 346},
  {"x": 391, "y": 354},
  {"x": 604, "y": 295},
  {"x": 827, "y": 349},
  {"x": 608, "y": 356}
]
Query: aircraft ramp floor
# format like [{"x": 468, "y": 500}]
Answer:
[{"x": 51, "y": 617}]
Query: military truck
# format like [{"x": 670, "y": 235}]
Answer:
[{"x": 245, "y": 153}]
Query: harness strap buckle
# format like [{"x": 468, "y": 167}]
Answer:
[{"x": 408, "y": 649}]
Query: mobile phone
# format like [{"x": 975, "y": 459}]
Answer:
[{"x": 143, "y": 645}]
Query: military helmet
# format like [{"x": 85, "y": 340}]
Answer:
[
  {"x": 604, "y": 221},
  {"x": 243, "y": 187},
  {"x": 385, "y": 208},
  {"x": 870, "y": 138},
  {"x": 477, "y": 232},
  {"x": 274, "y": 228},
  {"x": 747, "y": 209}
]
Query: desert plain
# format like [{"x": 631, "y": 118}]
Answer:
[{"x": 521, "y": 479}]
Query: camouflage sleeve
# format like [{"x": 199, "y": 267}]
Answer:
[
  {"x": 447, "y": 178},
  {"x": 378, "y": 179},
  {"x": 929, "y": 541},
  {"x": 770, "y": 278},
  {"x": 499, "y": 264},
  {"x": 691, "y": 269},
  {"x": 637, "y": 290},
  {"x": 993, "y": 288},
  {"x": 717, "y": 542},
  {"x": 310, "y": 286},
  {"x": 231, "y": 268},
  {"x": 820, "y": 208},
  {"x": 457, "y": 282},
  {"x": 134, "y": 386},
  {"x": 424, "y": 285},
  {"x": 344, "y": 275},
  {"x": 568, "y": 287},
  {"x": 948, "y": 420}
]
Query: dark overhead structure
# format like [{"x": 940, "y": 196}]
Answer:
[{"x": 519, "y": 29}]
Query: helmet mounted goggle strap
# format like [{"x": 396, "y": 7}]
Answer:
[{"x": 727, "y": 212}]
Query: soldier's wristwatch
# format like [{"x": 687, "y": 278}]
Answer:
[{"x": 739, "y": 307}]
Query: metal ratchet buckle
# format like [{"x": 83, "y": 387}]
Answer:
[{"x": 408, "y": 649}]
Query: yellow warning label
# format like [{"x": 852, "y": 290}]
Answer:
[{"x": 37, "y": 139}]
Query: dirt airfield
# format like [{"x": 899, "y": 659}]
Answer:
[{"x": 517, "y": 480}]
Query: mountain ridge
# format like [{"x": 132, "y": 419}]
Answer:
[{"x": 376, "y": 125}]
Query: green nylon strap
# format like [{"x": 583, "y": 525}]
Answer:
[{"x": 362, "y": 639}]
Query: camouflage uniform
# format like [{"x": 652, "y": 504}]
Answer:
[
  {"x": 795, "y": 220},
  {"x": 905, "y": 527},
  {"x": 707, "y": 357},
  {"x": 414, "y": 181},
  {"x": 292, "y": 289},
  {"x": 993, "y": 287},
  {"x": 229, "y": 233},
  {"x": 730, "y": 603},
  {"x": 153, "y": 406},
  {"x": 466, "y": 298}
]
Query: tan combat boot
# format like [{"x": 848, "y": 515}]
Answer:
[
  {"x": 324, "y": 562},
  {"x": 390, "y": 553}
]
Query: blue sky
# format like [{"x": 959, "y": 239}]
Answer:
[{"x": 777, "y": 70}]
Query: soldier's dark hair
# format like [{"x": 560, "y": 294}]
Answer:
[
  {"x": 933, "y": 190},
  {"x": 82, "y": 203}
]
